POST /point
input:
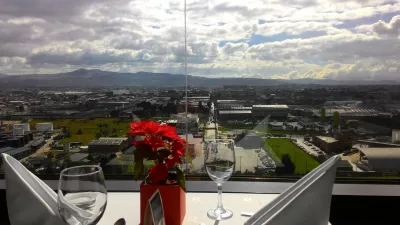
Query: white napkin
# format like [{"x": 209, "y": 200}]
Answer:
[{"x": 29, "y": 200}]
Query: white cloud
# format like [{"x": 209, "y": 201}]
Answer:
[{"x": 294, "y": 38}]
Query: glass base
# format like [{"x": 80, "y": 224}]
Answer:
[{"x": 219, "y": 214}]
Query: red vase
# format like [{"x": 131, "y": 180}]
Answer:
[{"x": 173, "y": 200}]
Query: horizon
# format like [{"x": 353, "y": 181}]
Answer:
[{"x": 278, "y": 79}]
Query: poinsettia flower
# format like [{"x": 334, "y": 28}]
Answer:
[
  {"x": 153, "y": 142},
  {"x": 168, "y": 132},
  {"x": 158, "y": 173},
  {"x": 152, "y": 129}
]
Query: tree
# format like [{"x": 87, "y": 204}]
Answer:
[
  {"x": 50, "y": 155},
  {"x": 289, "y": 165},
  {"x": 114, "y": 114},
  {"x": 200, "y": 106},
  {"x": 98, "y": 135},
  {"x": 323, "y": 114},
  {"x": 336, "y": 120},
  {"x": 79, "y": 131}
]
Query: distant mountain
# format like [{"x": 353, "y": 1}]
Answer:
[{"x": 99, "y": 78}]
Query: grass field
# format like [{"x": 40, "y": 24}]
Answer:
[
  {"x": 281, "y": 146},
  {"x": 89, "y": 128}
]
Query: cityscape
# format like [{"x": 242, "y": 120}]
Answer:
[{"x": 278, "y": 130}]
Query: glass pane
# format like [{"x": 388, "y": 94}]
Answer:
[{"x": 292, "y": 83}]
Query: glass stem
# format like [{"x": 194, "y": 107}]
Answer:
[{"x": 220, "y": 207}]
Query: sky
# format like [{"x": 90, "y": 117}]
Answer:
[{"x": 285, "y": 39}]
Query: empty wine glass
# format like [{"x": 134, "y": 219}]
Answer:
[
  {"x": 82, "y": 195},
  {"x": 219, "y": 161}
]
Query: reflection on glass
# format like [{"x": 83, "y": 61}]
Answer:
[
  {"x": 219, "y": 161},
  {"x": 82, "y": 195}
]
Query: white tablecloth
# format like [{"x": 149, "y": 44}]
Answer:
[{"x": 127, "y": 205}]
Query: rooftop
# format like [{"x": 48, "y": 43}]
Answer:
[
  {"x": 106, "y": 142},
  {"x": 78, "y": 156},
  {"x": 271, "y": 106},
  {"x": 383, "y": 158},
  {"x": 327, "y": 139},
  {"x": 18, "y": 150},
  {"x": 235, "y": 112}
]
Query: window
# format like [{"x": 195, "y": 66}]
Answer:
[{"x": 291, "y": 82}]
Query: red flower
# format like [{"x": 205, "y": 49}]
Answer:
[
  {"x": 177, "y": 149},
  {"x": 158, "y": 173},
  {"x": 153, "y": 129},
  {"x": 153, "y": 142},
  {"x": 161, "y": 143}
]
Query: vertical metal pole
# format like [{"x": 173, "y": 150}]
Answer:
[
  {"x": 186, "y": 90},
  {"x": 240, "y": 163}
]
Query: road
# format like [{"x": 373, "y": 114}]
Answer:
[{"x": 41, "y": 151}]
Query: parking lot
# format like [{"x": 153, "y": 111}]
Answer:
[{"x": 308, "y": 147}]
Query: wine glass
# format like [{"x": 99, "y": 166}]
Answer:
[
  {"x": 82, "y": 195},
  {"x": 219, "y": 161}
]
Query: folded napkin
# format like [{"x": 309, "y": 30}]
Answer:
[{"x": 29, "y": 200}]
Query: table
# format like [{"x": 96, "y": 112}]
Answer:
[{"x": 127, "y": 205}]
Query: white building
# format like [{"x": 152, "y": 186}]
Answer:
[
  {"x": 44, "y": 127},
  {"x": 395, "y": 136},
  {"x": 179, "y": 121},
  {"x": 20, "y": 129}
]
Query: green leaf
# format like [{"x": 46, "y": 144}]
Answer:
[
  {"x": 138, "y": 169},
  {"x": 181, "y": 178},
  {"x": 190, "y": 160}
]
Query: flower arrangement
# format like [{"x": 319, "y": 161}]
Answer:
[{"x": 164, "y": 146}]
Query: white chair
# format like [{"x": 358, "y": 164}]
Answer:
[
  {"x": 29, "y": 200},
  {"x": 307, "y": 202}
]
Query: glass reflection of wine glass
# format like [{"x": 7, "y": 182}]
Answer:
[
  {"x": 82, "y": 195},
  {"x": 219, "y": 162}
]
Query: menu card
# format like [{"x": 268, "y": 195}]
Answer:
[{"x": 154, "y": 213}]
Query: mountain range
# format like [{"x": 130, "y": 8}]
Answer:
[{"x": 99, "y": 78}]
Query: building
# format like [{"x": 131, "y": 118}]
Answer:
[
  {"x": 107, "y": 145},
  {"x": 117, "y": 166},
  {"x": 44, "y": 127},
  {"x": 20, "y": 153},
  {"x": 276, "y": 125},
  {"x": 37, "y": 144},
  {"x": 343, "y": 103},
  {"x": 274, "y": 111},
  {"x": 179, "y": 121},
  {"x": 232, "y": 115},
  {"x": 20, "y": 129},
  {"x": 6, "y": 149},
  {"x": 125, "y": 140},
  {"x": 194, "y": 145},
  {"x": 76, "y": 159},
  {"x": 395, "y": 136},
  {"x": 386, "y": 160},
  {"x": 327, "y": 144}
]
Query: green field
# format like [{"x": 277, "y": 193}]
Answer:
[
  {"x": 282, "y": 146},
  {"x": 89, "y": 128}
]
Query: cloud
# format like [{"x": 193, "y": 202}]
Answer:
[
  {"x": 391, "y": 29},
  {"x": 254, "y": 38}
]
